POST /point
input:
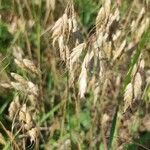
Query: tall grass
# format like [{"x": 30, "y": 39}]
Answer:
[{"x": 74, "y": 74}]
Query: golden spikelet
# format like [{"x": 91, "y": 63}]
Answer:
[{"x": 128, "y": 96}]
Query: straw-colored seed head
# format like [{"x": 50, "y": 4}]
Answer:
[
  {"x": 14, "y": 107},
  {"x": 82, "y": 83},
  {"x": 120, "y": 50},
  {"x": 142, "y": 64},
  {"x": 18, "y": 86},
  {"x": 28, "y": 126},
  {"x": 19, "y": 63},
  {"x": 137, "y": 85},
  {"x": 76, "y": 53},
  {"x": 128, "y": 96},
  {"x": 5, "y": 85},
  {"x": 32, "y": 88},
  {"x": 33, "y": 133},
  {"x": 105, "y": 118},
  {"x": 22, "y": 116},
  {"x": 18, "y": 53},
  {"x": 107, "y": 5},
  {"x": 18, "y": 77},
  {"x": 30, "y": 65},
  {"x": 28, "y": 117}
]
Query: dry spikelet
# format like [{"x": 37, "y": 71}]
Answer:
[
  {"x": 135, "y": 24},
  {"x": 119, "y": 52},
  {"x": 74, "y": 24},
  {"x": 67, "y": 54},
  {"x": 82, "y": 83},
  {"x": 19, "y": 63},
  {"x": 76, "y": 52},
  {"x": 33, "y": 134},
  {"x": 60, "y": 27},
  {"x": 116, "y": 35},
  {"x": 142, "y": 64},
  {"x": 32, "y": 88},
  {"x": 107, "y": 5},
  {"x": 22, "y": 113},
  {"x": 18, "y": 86},
  {"x": 128, "y": 96},
  {"x": 61, "y": 47},
  {"x": 18, "y": 77},
  {"x": 134, "y": 70},
  {"x": 70, "y": 24},
  {"x": 105, "y": 118},
  {"x": 137, "y": 85},
  {"x": 5, "y": 85},
  {"x": 18, "y": 53},
  {"x": 32, "y": 98},
  {"x": 143, "y": 27},
  {"x": 30, "y": 65},
  {"x": 28, "y": 121},
  {"x": 99, "y": 41},
  {"x": 107, "y": 47},
  {"x": 100, "y": 19},
  {"x": 28, "y": 118},
  {"x": 83, "y": 74},
  {"x": 14, "y": 107}
]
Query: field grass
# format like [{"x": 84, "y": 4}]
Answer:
[{"x": 74, "y": 75}]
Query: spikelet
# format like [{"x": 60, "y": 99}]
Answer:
[
  {"x": 32, "y": 88},
  {"x": 82, "y": 83},
  {"x": 18, "y": 77},
  {"x": 28, "y": 121},
  {"x": 119, "y": 52},
  {"x": 28, "y": 87},
  {"x": 83, "y": 74},
  {"x": 135, "y": 24},
  {"x": 142, "y": 64},
  {"x": 22, "y": 113},
  {"x": 60, "y": 27},
  {"x": 61, "y": 47},
  {"x": 74, "y": 24},
  {"x": 143, "y": 27},
  {"x": 18, "y": 53},
  {"x": 107, "y": 5},
  {"x": 14, "y": 107},
  {"x": 6, "y": 85},
  {"x": 18, "y": 86},
  {"x": 128, "y": 96},
  {"x": 33, "y": 134},
  {"x": 100, "y": 19},
  {"x": 30, "y": 65},
  {"x": 19, "y": 63},
  {"x": 105, "y": 118},
  {"x": 137, "y": 85},
  {"x": 76, "y": 52}
]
